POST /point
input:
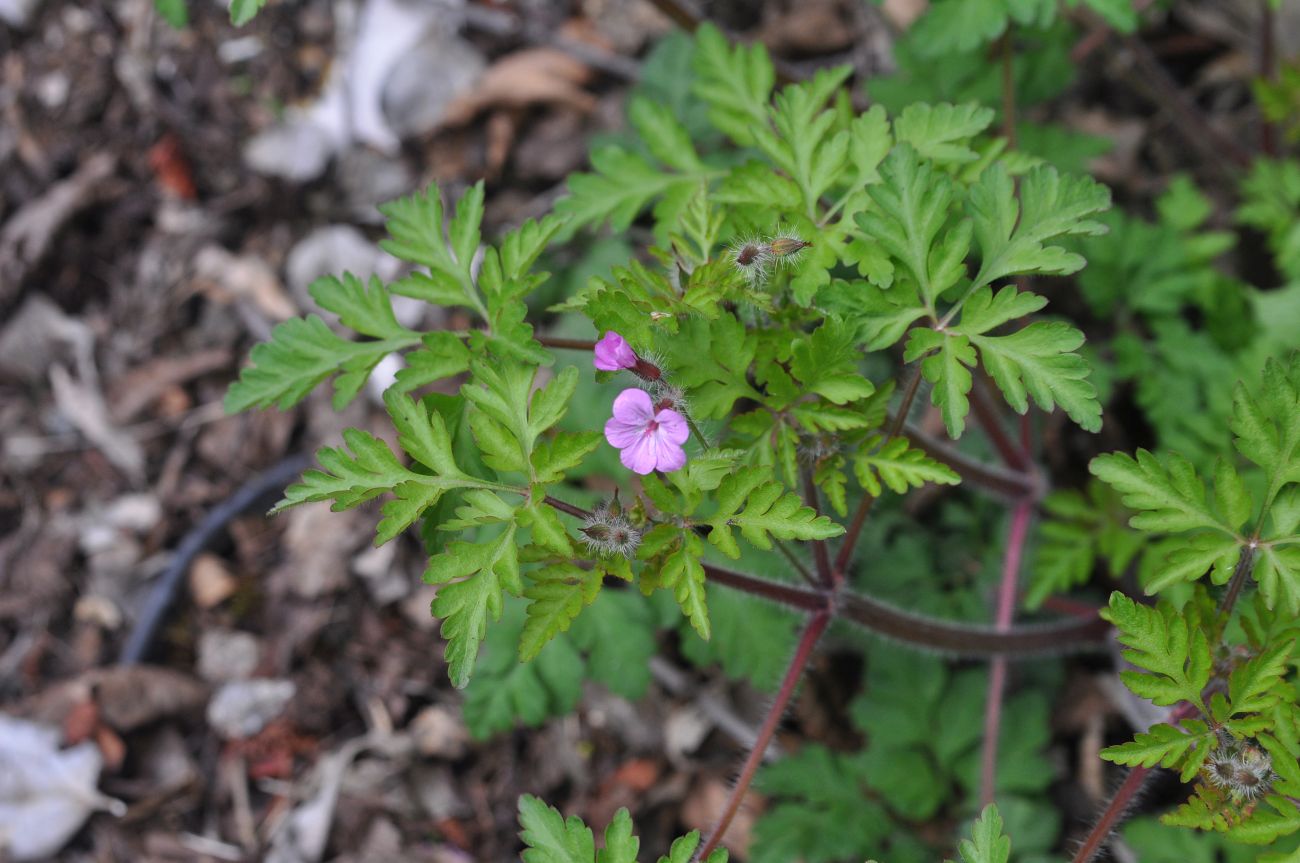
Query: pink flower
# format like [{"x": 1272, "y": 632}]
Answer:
[
  {"x": 649, "y": 438},
  {"x": 613, "y": 353}
]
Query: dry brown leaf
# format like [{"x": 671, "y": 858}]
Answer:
[{"x": 533, "y": 76}]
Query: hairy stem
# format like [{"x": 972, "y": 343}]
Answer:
[
  {"x": 1112, "y": 815},
  {"x": 967, "y": 640},
  {"x": 986, "y": 414},
  {"x": 802, "y": 653},
  {"x": 804, "y": 572},
  {"x": 1013, "y": 484},
  {"x": 1119, "y": 804},
  {"x": 905, "y": 627},
  {"x": 785, "y": 594},
  {"x": 1240, "y": 575},
  {"x": 850, "y": 540},
  {"x": 821, "y": 558},
  {"x": 998, "y": 667}
]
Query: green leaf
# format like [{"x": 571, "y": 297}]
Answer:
[
  {"x": 683, "y": 572},
  {"x": 942, "y": 133},
  {"x": 1040, "y": 361},
  {"x": 1266, "y": 425},
  {"x": 441, "y": 355},
  {"x": 987, "y": 843},
  {"x": 565, "y": 451},
  {"x": 1165, "y": 745},
  {"x": 736, "y": 82},
  {"x": 947, "y": 370},
  {"x": 486, "y": 569},
  {"x": 620, "y": 845},
  {"x": 1169, "y": 495},
  {"x": 1171, "y": 646},
  {"x": 622, "y": 185},
  {"x": 1012, "y": 234},
  {"x": 618, "y": 635},
  {"x": 555, "y": 594},
  {"x": 818, "y": 812},
  {"x": 826, "y": 363},
  {"x": 1256, "y": 685},
  {"x": 665, "y": 137},
  {"x": 550, "y": 837},
  {"x": 174, "y": 12},
  {"x": 911, "y": 209},
  {"x": 243, "y": 11},
  {"x": 898, "y": 466},
  {"x": 304, "y": 352},
  {"x": 1278, "y": 574},
  {"x": 802, "y": 140},
  {"x": 415, "y": 228},
  {"x": 506, "y": 693},
  {"x": 763, "y": 509}
]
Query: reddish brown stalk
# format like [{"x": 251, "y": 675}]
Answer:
[
  {"x": 821, "y": 558},
  {"x": 972, "y": 641},
  {"x": 1114, "y": 811},
  {"x": 986, "y": 415},
  {"x": 785, "y": 594},
  {"x": 998, "y": 667},
  {"x": 1012, "y": 484},
  {"x": 845, "y": 555},
  {"x": 1123, "y": 799},
  {"x": 802, "y": 653}
]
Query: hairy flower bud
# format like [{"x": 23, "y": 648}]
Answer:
[{"x": 608, "y": 533}]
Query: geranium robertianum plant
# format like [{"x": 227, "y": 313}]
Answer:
[{"x": 761, "y": 362}]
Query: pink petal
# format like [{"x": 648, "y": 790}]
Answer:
[
  {"x": 671, "y": 456},
  {"x": 634, "y": 406},
  {"x": 640, "y": 457},
  {"x": 622, "y": 434},
  {"x": 613, "y": 353},
  {"x": 672, "y": 427}
]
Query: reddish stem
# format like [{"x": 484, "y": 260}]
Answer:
[
  {"x": 802, "y": 653},
  {"x": 794, "y": 597},
  {"x": 1123, "y": 798},
  {"x": 986, "y": 415},
  {"x": 998, "y": 670},
  {"x": 821, "y": 558},
  {"x": 1115, "y": 810},
  {"x": 850, "y": 540}
]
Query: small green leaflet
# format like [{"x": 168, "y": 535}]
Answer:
[
  {"x": 243, "y": 11},
  {"x": 473, "y": 577},
  {"x": 1167, "y": 493},
  {"x": 1170, "y": 645},
  {"x": 735, "y": 81},
  {"x": 551, "y": 838},
  {"x": 898, "y": 467},
  {"x": 1167, "y": 746},
  {"x": 370, "y": 469},
  {"x": 415, "y": 228},
  {"x": 911, "y": 209},
  {"x": 304, "y": 352},
  {"x": 1012, "y": 233},
  {"x": 942, "y": 133},
  {"x": 987, "y": 843},
  {"x": 556, "y": 595},
  {"x": 763, "y": 510},
  {"x": 174, "y": 12}
]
